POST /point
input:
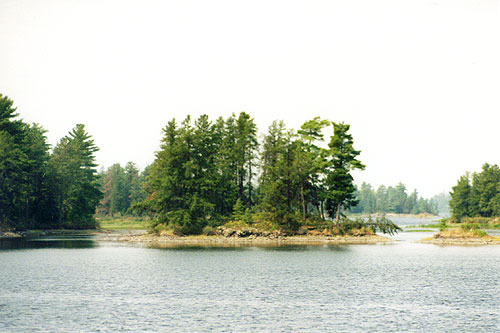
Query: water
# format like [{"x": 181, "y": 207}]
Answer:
[{"x": 82, "y": 284}]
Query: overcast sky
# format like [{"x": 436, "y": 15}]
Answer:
[{"x": 419, "y": 81}]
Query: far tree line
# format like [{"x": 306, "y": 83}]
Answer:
[
  {"x": 395, "y": 199},
  {"x": 123, "y": 188}
]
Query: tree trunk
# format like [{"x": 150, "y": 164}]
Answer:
[
  {"x": 303, "y": 202},
  {"x": 318, "y": 211},
  {"x": 60, "y": 210},
  {"x": 250, "y": 203},
  {"x": 240, "y": 185},
  {"x": 337, "y": 218}
]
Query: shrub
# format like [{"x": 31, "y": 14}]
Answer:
[{"x": 209, "y": 231}]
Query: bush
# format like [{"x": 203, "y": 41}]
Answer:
[
  {"x": 442, "y": 225},
  {"x": 359, "y": 226},
  {"x": 209, "y": 231},
  {"x": 469, "y": 226}
]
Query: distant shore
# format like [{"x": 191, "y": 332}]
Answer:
[{"x": 395, "y": 215}]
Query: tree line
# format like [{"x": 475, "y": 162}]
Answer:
[
  {"x": 41, "y": 189},
  {"x": 392, "y": 199},
  {"x": 207, "y": 172},
  {"x": 122, "y": 188},
  {"x": 477, "y": 194}
]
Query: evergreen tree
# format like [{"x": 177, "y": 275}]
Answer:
[
  {"x": 24, "y": 192},
  {"x": 382, "y": 204},
  {"x": 367, "y": 199},
  {"x": 460, "y": 198},
  {"x": 12, "y": 163},
  {"x": 309, "y": 162},
  {"x": 74, "y": 171},
  {"x": 278, "y": 182},
  {"x": 339, "y": 181},
  {"x": 39, "y": 203},
  {"x": 245, "y": 152},
  {"x": 487, "y": 188}
]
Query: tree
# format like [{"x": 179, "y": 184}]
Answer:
[
  {"x": 120, "y": 186},
  {"x": 182, "y": 183},
  {"x": 382, "y": 204},
  {"x": 460, "y": 197},
  {"x": 12, "y": 164},
  {"x": 339, "y": 181},
  {"x": 24, "y": 197},
  {"x": 367, "y": 199},
  {"x": 486, "y": 185},
  {"x": 245, "y": 152},
  {"x": 398, "y": 199},
  {"x": 38, "y": 200},
  {"x": 74, "y": 171},
  {"x": 309, "y": 161},
  {"x": 278, "y": 181}
]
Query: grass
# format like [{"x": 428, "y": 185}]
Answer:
[
  {"x": 123, "y": 223},
  {"x": 462, "y": 233},
  {"x": 448, "y": 225},
  {"x": 419, "y": 230},
  {"x": 420, "y": 226}
]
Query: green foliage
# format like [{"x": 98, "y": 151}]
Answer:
[
  {"x": 341, "y": 161},
  {"x": 442, "y": 225},
  {"x": 205, "y": 172},
  {"x": 360, "y": 226},
  {"x": 477, "y": 195},
  {"x": 122, "y": 187},
  {"x": 42, "y": 190},
  {"x": 469, "y": 226},
  {"x": 201, "y": 171},
  {"x": 391, "y": 200},
  {"x": 74, "y": 171},
  {"x": 279, "y": 180}
]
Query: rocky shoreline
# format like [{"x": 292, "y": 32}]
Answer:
[
  {"x": 235, "y": 241},
  {"x": 461, "y": 241}
]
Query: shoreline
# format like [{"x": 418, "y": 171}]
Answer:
[
  {"x": 460, "y": 241},
  {"x": 222, "y": 241},
  {"x": 422, "y": 216}
]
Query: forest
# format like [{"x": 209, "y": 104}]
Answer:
[
  {"x": 393, "y": 199},
  {"x": 206, "y": 173},
  {"x": 40, "y": 188},
  {"x": 477, "y": 194}
]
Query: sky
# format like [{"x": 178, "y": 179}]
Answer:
[{"x": 418, "y": 81}]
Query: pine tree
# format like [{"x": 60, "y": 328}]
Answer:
[
  {"x": 460, "y": 198},
  {"x": 309, "y": 162},
  {"x": 74, "y": 170},
  {"x": 339, "y": 181}
]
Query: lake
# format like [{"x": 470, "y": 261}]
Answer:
[{"x": 83, "y": 284}]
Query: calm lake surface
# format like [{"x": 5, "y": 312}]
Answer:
[{"x": 82, "y": 284}]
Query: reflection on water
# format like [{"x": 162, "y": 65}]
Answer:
[{"x": 78, "y": 242}]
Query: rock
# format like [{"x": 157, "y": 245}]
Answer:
[
  {"x": 314, "y": 233},
  {"x": 229, "y": 232}
]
